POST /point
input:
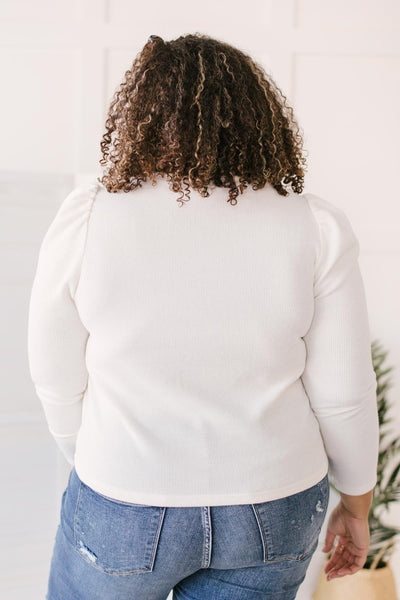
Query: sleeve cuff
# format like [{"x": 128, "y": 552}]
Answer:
[
  {"x": 67, "y": 445},
  {"x": 355, "y": 490}
]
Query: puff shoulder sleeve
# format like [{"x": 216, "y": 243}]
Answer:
[
  {"x": 56, "y": 336},
  {"x": 339, "y": 377}
]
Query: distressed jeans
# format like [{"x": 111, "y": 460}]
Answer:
[{"x": 107, "y": 549}]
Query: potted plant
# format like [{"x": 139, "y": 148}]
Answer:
[{"x": 375, "y": 580}]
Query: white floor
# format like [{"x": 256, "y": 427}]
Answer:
[{"x": 35, "y": 476}]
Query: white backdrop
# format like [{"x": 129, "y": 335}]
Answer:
[{"x": 339, "y": 65}]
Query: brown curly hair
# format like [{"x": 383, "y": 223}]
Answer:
[{"x": 202, "y": 112}]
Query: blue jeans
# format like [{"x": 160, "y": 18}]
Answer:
[{"x": 107, "y": 549}]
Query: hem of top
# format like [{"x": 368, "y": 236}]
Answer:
[
  {"x": 63, "y": 435},
  {"x": 179, "y": 500}
]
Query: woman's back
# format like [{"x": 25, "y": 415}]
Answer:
[{"x": 203, "y": 362}]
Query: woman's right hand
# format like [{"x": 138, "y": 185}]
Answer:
[{"x": 351, "y": 551}]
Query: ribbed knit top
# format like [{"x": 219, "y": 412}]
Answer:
[{"x": 204, "y": 354}]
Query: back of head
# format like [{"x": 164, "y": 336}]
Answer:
[{"x": 201, "y": 112}]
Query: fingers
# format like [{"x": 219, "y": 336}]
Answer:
[
  {"x": 346, "y": 571},
  {"x": 343, "y": 562},
  {"x": 343, "y": 570},
  {"x": 330, "y": 538},
  {"x": 336, "y": 558},
  {"x": 337, "y": 561}
]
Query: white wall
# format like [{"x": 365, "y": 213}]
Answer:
[{"x": 338, "y": 64}]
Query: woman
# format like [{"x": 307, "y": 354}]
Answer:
[{"x": 199, "y": 340}]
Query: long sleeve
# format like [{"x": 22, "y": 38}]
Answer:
[
  {"x": 339, "y": 378},
  {"x": 56, "y": 336}
]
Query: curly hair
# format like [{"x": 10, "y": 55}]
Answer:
[{"x": 203, "y": 113}]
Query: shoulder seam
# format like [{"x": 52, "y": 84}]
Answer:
[
  {"x": 92, "y": 190},
  {"x": 318, "y": 257}
]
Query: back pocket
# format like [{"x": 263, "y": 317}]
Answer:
[
  {"x": 116, "y": 537},
  {"x": 290, "y": 526}
]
